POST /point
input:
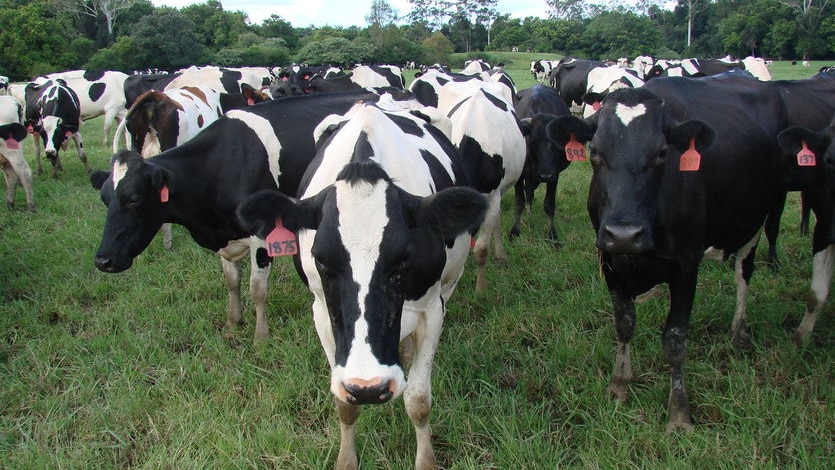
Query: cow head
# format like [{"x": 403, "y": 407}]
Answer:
[
  {"x": 633, "y": 147},
  {"x": 135, "y": 209},
  {"x": 546, "y": 147},
  {"x": 375, "y": 246}
]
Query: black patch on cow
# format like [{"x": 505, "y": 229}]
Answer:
[
  {"x": 230, "y": 79},
  {"x": 262, "y": 258},
  {"x": 496, "y": 101},
  {"x": 484, "y": 171},
  {"x": 407, "y": 125},
  {"x": 437, "y": 170},
  {"x": 94, "y": 75},
  {"x": 96, "y": 91},
  {"x": 369, "y": 171},
  {"x": 362, "y": 148}
]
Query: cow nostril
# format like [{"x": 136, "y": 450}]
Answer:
[
  {"x": 103, "y": 263},
  {"x": 365, "y": 392}
]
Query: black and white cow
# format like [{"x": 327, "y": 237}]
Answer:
[
  {"x": 53, "y": 112},
  {"x": 427, "y": 87},
  {"x": 294, "y": 80},
  {"x": 682, "y": 169},
  {"x": 100, "y": 93},
  {"x": 136, "y": 85},
  {"x": 537, "y": 107},
  {"x": 691, "y": 68},
  {"x": 15, "y": 168},
  {"x": 570, "y": 78},
  {"x": 383, "y": 236},
  {"x": 487, "y": 133},
  {"x": 604, "y": 80},
  {"x": 266, "y": 146},
  {"x": 541, "y": 68}
]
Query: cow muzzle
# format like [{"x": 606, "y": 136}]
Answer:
[
  {"x": 108, "y": 265},
  {"x": 367, "y": 392},
  {"x": 625, "y": 239}
]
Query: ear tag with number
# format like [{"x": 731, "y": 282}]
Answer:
[
  {"x": 12, "y": 144},
  {"x": 691, "y": 159},
  {"x": 281, "y": 242},
  {"x": 806, "y": 157},
  {"x": 574, "y": 150},
  {"x": 163, "y": 193}
]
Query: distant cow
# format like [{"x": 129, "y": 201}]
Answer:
[
  {"x": 536, "y": 108},
  {"x": 383, "y": 237},
  {"x": 676, "y": 178},
  {"x": 570, "y": 78},
  {"x": 262, "y": 147},
  {"x": 603, "y": 80},
  {"x": 541, "y": 68},
  {"x": 294, "y": 80},
  {"x": 100, "y": 93},
  {"x": 15, "y": 168},
  {"x": 487, "y": 133},
  {"x": 53, "y": 112}
]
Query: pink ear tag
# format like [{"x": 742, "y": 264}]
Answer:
[
  {"x": 691, "y": 159},
  {"x": 574, "y": 150},
  {"x": 596, "y": 106},
  {"x": 12, "y": 144},
  {"x": 250, "y": 101},
  {"x": 806, "y": 157},
  {"x": 163, "y": 193},
  {"x": 281, "y": 242}
]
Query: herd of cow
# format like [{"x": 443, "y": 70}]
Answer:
[{"x": 380, "y": 192}]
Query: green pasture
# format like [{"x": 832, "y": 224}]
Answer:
[{"x": 135, "y": 370}]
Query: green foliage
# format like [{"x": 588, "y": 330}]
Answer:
[
  {"x": 436, "y": 49},
  {"x": 214, "y": 27},
  {"x": 30, "y": 40},
  {"x": 335, "y": 51},
  {"x": 166, "y": 40},
  {"x": 615, "y": 34}
]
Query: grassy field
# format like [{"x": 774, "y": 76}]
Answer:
[{"x": 135, "y": 370}]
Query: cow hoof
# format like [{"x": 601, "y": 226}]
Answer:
[
  {"x": 741, "y": 339},
  {"x": 799, "y": 339},
  {"x": 617, "y": 391},
  {"x": 678, "y": 427}
]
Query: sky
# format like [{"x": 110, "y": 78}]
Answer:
[{"x": 343, "y": 13}]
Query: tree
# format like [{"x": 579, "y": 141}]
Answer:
[
  {"x": 34, "y": 44},
  {"x": 566, "y": 9},
  {"x": 693, "y": 8},
  {"x": 436, "y": 49},
  {"x": 379, "y": 18},
  {"x": 215, "y": 27},
  {"x": 108, "y": 10},
  {"x": 436, "y": 12},
  {"x": 166, "y": 40},
  {"x": 615, "y": 34}
]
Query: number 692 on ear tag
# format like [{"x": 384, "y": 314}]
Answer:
[{"x": 281, "y": 242}]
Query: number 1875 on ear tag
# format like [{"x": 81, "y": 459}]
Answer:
[{"x": 281, "y": 242}]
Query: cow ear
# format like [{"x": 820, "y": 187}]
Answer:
[
  {"x": 562, "y": 128},
  {"x": 591, "y": 98},
  {"x": 15, "y": 131},
  {"x": 525, "y": 125},
  {"x": 162, "y": 177},
  {"x": 98, "y": 177},
  {"x": 791, "y": 139},
  {"x": 257, "y": 213},
  {"x": 680, "y": 135},
  {"x": 452, "y": 211}
]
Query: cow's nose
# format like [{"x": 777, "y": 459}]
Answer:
[
  {"x": 104, "y": 264},
  {"x": 546, "y": 177},
  {"x": 628, "y": 239},
  {"x": 367, "y": 392}
]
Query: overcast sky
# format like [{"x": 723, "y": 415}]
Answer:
[{"x": 344, "y": 13}]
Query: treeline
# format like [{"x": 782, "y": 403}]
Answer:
[{"x": 40, "y": 36}]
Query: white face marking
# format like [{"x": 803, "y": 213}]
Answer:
[
  {"x": 119, "y": 172},
  {"x": 265, "y": 132},
  {"x": 627, "y": 114}
]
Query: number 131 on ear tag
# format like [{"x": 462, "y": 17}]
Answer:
[{"x": 281, "y": 242}]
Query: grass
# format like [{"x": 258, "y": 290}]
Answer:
[{"x": 135, "y": 370}]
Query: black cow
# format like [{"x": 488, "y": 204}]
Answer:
[
  {"x": 265, "y": 146},
  {"x": 137, "y": 85},
  {"x": 811, "y": 156},
  {"x": 537, "y": 107},
  {"x": 570, "y": 78},
  {"x": 294, "y": 80},
  {"x": 658, "y": 207}
]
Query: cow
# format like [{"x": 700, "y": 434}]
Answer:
[
  {"x": 383, "y": 228},
  {"x": 487, "y": 133},
  {"x": 136, "y": 85},
  {"x": 363, "y": 76},
  {"x": 159, "y": 121},
  {"x": 691, "y": 68},
  {"x": 294, "y": 80},
  {"x": 100, "y": 93},
  {"x": 265, "y": 146},
  {"x": 570, "y": 78},
  {"x": 541, "y": 68},
  {"x": 4, "y": 84},
  {"x": 811, "y": 155},
  {"x": 475, "y": 66},
  {"x": 682, "y": 169},
  {"x": 15, "y": 168},
  {"x": 53, "y": 112},
  {"x": 536, "y": 108},
  {"x": 224, "y": 80},
  {"x": 427, "y": 87},
  {"x": 604, "y": 80}
]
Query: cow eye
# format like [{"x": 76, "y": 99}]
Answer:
[
  {"x": 659, "y": 158},
  {"x": 133, "y": 203},
  {"x": 596, "y": 158}
]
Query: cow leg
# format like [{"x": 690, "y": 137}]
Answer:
[
  {"x": 11, "y": 185},
  {"x": 232, "y": 279},
  {"x": 549, "y": 204},
  {"x": 259, "y": 276},
  {"x": 821, "y": 277},
  {"x": 418, "y": 394},
  {"x": 805, "y": 212},
  {"x": 743, "y": 268},
  {"x": 167, "y": 238},
  {"x": 36, "y": 145},
  {"x": 772, "y": 228},
  {"x": 624, "y": 310},
  {"x": 348, "y": 414},
  {"x": 519, "y": 207},
  {"x": 488, "y": 228},
  {"x": 674, "y": 341},
  {"x": 23, "y": 174},
  {"x": 79, "y": 147}
]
